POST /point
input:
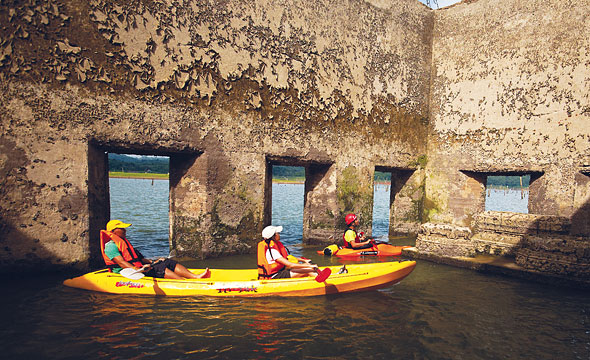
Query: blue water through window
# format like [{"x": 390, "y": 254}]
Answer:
[
  {"x": 287, "y": 204},
  {"x": 381, "y": 205},
  {"x": 507, "y": 193},
  {"x": 145, "y": 204}
]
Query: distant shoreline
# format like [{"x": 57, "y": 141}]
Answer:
[
  {"x": 128, "y": 175},
  {"x": 150, "y": 176}
]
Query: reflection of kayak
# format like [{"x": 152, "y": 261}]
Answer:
[
  {"x": 359, "y": 277},
  {"x": 376, "y": 250}
]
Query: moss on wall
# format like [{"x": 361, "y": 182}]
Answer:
[{"x": 355, "y": 195}]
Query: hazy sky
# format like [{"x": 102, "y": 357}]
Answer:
[{"x": 443, "y": 3}]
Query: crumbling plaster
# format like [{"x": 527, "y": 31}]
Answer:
[
  {"x": 513, "y": 97},
  {"x": 480, "y": 87},
  {"x": 229, "y": 84}
]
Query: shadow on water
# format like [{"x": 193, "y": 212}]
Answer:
[{"x": 438, "y": 312}]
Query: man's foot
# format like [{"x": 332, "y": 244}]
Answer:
[{"x": 205, "y": 274}]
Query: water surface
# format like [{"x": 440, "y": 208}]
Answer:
[{"x": 438, "y": 312}]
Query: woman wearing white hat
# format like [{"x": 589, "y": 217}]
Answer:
[{"x": 272, "y": 258}]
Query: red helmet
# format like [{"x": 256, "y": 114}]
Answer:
[{"x": 350, "y": 218}]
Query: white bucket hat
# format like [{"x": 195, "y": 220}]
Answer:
[{"x": 270, "y": 231}]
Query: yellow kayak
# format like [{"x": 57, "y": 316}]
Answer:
[{"x": 357, "y": 277}]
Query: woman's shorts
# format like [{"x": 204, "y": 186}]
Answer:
[
  {"x": 283, "y": 274},
  {"x": 159, "y": 270}
]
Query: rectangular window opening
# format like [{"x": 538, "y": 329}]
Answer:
[
  {"x": 287, "y": 202},
  {"x": 381, "y": 204},
  {"x": 507, "y": 193},
  {"x": 139, "y": 194}
]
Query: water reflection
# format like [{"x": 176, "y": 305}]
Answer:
[{"x": 438, "y": 312}]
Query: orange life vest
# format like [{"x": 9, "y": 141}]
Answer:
[
  {"x": 124, "y": 246},
  {"x": 265, "y": 269},
  {"x": 346, "y": 243}
]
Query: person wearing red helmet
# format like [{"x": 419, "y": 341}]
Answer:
[{"x": 352, "y": 239}]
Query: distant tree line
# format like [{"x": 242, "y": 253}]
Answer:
[
  {"x": 143, "y": 164},
  {"x": 288, "y": 172},
  {"x": 161, "y": 165},
  {"x": 382, "y": 176},
  {"x": 509, "y": 181}
]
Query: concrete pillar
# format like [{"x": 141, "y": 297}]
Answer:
[
  {"x": 216, "y": 203},
  {"x": 406, "y": 201},
  {"x": 189, "y": 203},
  {"x": 552, "y": 192},
  {"x": 320, "y": 210},
  {"x": 355, "y": 195},
  {"x": 99, "y": 209},
  {"x": 581, "y": 217},
  {"x": 468, "y": 197}
]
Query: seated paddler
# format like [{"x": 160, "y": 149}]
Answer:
[
  {"x": 272, "y": 258},
  {"x": 352, "y": 239},
  {"x": 118, "y": 254}
]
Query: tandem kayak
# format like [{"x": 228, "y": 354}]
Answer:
[
  {"x": 376, "y": 250},
  {"x": 357, "y": 277}
]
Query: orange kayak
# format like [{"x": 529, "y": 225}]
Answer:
[{"x": 376, "y": 250}]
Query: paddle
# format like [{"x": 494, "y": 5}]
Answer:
[
  {"x": 131, "y": 273},
  {"x": 377, "y": 242},
  {"x": 322, "y": 274}
]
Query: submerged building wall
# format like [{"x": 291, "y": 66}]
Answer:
[
  {"x": 225, "y": 89},
  {"x": 510, "y": 96},
  {"x": 440, "y": 99}
]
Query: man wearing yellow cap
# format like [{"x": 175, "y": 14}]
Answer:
[{"x": 118, "y": 254}]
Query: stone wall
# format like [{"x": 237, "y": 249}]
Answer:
[
  {"x": 510, "y": 96},
  {"x": 445, "y": 240},
  {"x": 541, "y": 243},
  {"x": 441, "y": 99},
  {"x": 226, "y": 89},
  {"x": 503, "y": 233},
  {"x": 558, "y": 254}
]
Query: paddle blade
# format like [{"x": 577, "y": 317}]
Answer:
[
  {"x": 323, "y": 275},
  {"x": 132, "y": 274}
]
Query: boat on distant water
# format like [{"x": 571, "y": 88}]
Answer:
[
  {"x": 245, "y": 282},
  {"x": 378, "y": 249}
]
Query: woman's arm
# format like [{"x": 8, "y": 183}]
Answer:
[{"x": 289, "y": 265}]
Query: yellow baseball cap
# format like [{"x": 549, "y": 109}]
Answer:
[{"x": 116, "y": 224}]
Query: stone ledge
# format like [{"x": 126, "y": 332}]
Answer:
[
  {"x": 558, "y": 254},
  {"x": 446, "y": 230},
  {"x": 498, "y": 265},
  {"x": 516, "y": 223}
]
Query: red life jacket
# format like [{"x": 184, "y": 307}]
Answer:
[
  {"x": 265, "y": 269},
  {"x": 356, "y": 238},
  {"x": 124, "y": 246}
]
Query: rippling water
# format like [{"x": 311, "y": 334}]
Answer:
[{"x": 438, "y": 312}]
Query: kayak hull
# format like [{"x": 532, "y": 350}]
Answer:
[
  {"x": 377, "y": 250},
  {"x": 360, "y": 277}
]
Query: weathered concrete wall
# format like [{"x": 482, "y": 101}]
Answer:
[
  {"x": 510, "y": 94},
  {"x": 540, "y": 243},
  {"x": 442, "y": 99},
  {"x": 445, "y": 240},
  {"x": 224, "y": 89}
]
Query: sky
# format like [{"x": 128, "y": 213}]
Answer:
[{"x": 442, "y": 3}]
